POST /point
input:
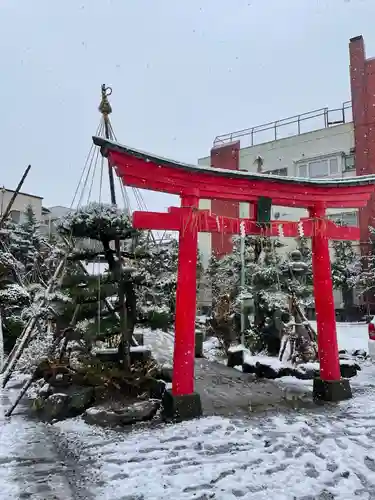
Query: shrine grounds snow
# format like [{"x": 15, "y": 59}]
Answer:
[{"x": 322, "y": 453}]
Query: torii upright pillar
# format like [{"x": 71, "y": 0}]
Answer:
[
  {"x": 182, "y": 402},
  {"x": 330, "y": 386}
]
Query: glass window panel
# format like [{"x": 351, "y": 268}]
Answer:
[
  {"x": 345, "y": 218},
  {"x": 15, "y": 215},
  {"x": 302, "y": 170},
  {"x": 333, "y": 166},
  {"x": 318, "y": 168},
  {"x": 349, "y": 162},
  {"x": 278, "y": 171}
]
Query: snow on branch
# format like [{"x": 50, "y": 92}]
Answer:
[{"x": 96, "y": 221}]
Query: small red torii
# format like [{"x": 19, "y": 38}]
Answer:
[{"x": 146, "y": 171}]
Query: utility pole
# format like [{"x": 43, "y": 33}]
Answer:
[{"x": 106, "y": 109}]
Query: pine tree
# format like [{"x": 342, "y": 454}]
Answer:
[
  {"x": 156, "y": 278},
  {"x": 104, "y": 224},
  {"x": 148, "y": 273},
  {"x": 261, "y": 286},
  {"x": 80, "y": 305},
  {"x": 365, "y": 279},
  {"x": 25, "y": 267},
  {"x": 304, "y": 246},
  {"x": 346, "y": 269},
  {"x": 269, "y": 283},
  {"x": 13, "y": 298}
]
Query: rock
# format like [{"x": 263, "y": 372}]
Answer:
[
  {"x": 236, "y": 356},
  {"x": 262, "y": 369},
  {"x": 309, "y": 371},
  {"x": 304, "y": 375},
  {"x": 139, "y": 354},
  {"x": 76, "y": 360},
  {"x": 286, "y": 372},
  {"x": 79, "y": 398},
  {"x": 115, "y": 415},
  {"x": 248, "y": 368},
  {"x": 344, "y": 356},
  {"x": 100, "y": 393},
  {"x": 60, "y": 380},
  {"x": 54, "y": 407},
  {"x": 60, "y": 405},
  {"x": 45, "y": 391},
  {"x": 166, "y": 374},
  {"x": 348, "y": 369},
  {"x": 360, "y": 353},
  {"x": 266, "y": 371},
  {"x": 157, "y": 388},
  {"x": 37, "y": 404}
]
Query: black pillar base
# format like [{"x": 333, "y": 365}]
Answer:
[
  {"x": 179, "y": 408},
  {"x": 332, "y": 390}
]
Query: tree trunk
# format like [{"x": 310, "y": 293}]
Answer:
[
  {"x": 116, "y": 269},
  {"x": 347, "y": 298}
]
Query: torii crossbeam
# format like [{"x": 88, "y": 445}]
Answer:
[{"x": 191, "y": 183}]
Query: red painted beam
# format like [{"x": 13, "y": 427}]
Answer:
[
  {"x": 144, "y": 174},
  {"x": 157, "y": 221},
  {"x": 346, "y": 201},
  {"x": 177, "y": 219}
]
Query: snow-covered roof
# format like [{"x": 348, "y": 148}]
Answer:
[
  {"x": 108, "y": 145},
  {"x": 23, "y": 193}
]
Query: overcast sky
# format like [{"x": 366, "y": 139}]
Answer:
[{"x": 182, "y": 72}]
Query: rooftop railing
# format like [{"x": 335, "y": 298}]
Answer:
[{"x": 288, "y": 127}]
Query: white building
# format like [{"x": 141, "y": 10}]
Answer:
[
  {"x": 319, "y": 153},
  {"x": 20, "y": 204}
]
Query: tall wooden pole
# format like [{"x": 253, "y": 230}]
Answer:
[
  {"x": 106, "y": 109},
  {"x": 11, "y": 201}
]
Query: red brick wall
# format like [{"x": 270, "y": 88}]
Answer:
[
  {"x": 362, "y": 79},
  {"x": 226, "y": 156}
]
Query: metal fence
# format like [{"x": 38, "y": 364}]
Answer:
[{"x": 287, "y": 127}]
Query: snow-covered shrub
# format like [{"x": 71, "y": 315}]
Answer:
[
  {"x": 38, "y": 349},
  {"x": 96, "y": 221}
]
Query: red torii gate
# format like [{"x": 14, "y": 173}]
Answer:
[{"x": 147, "y": 171}]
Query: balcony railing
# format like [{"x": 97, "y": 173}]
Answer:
[{"x": 287, "y": 127}]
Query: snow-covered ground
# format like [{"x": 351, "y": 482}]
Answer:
[{"x": 325, "y": 453}]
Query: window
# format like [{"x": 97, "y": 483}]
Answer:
[
  {"x": 15, "y": 215},
  {"x": 333, "y": 166},
  {"x": 345, "y": 218},
  {"x": 349, "y": 162},
  {"x": 278, "y": 171},
  {"x": 319, "y": 168},
  {"x": 302, "y": 170}
]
